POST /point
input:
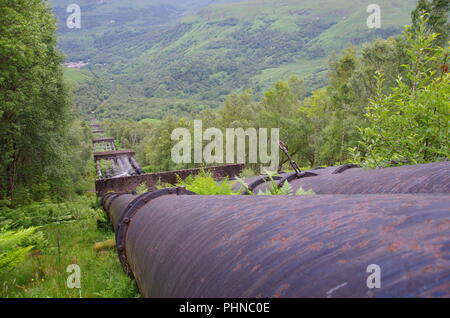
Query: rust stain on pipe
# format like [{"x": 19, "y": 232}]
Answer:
[{"x": 295, "y": 246}]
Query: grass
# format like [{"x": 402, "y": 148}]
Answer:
[
  {"x": 76, "y": 76},
  {"x": 150, "y": 121},
  {"x": 306, "y": 69},
  {"x": 43, "y": 273}
]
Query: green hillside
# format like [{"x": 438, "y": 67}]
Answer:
[
  {"x": 113, "y": 31},
  {"x": 162, "y": 54},
  {"x": 75, "y": 76}
]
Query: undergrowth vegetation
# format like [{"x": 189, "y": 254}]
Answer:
[
  {"x": 205, "y": 184},
  {"x": 33, "y": 262},
  {"x": 273, "y": 189}
]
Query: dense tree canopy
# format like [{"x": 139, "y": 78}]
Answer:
[
  {"x": 35, "y": 148},
  {"x": 437, "y": 21}
]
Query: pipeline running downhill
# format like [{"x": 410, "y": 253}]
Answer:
[{"x": 377, "y": 233}]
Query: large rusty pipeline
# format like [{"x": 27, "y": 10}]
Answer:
[
  {"x": 348, "y": 179},
  {"x": 178, "y": 245}
]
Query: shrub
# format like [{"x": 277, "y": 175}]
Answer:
[
  {"x": 204, "y": 184},
  {"x": 410, "y": 124},
  {"x": 12, "y": 247},
  {"x": 273, "y": 189}
]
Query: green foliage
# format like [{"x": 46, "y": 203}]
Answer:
[
  {"x": 158, "y": 145},
  {"x": 167, "y": 88},
  {"x": 42, "y": 213},
  {"x": 285, "y": 189},
  {"x": 246, "y": 173},
  {"x": 204, "y": 184},
  {"x": 302, "y": 191},
  {"x": 331, "y": 118},
  {"x": 43, "y": 272},
  {"x": 411, "y": 122},
  {"x": 273, "y": 189},
  {"x": 318, "y": 129},
  {"x": 437, "y": 21},
  {"x": 244, "y": 185},
  {"x": 41, "y": 154},
  {"x": 37, "y": 239},
  {"x": 103, "y": 224},
  {"x": 89, "y": 92},
  {"x": 181, "y": 56},
  {"x": 237, "y": 111},
  {"x": 163, "y": 185},
  {"x": 344, "y": 107},
  {"x": 12, "y": 247},
  {"x": 141, "y": 189}
]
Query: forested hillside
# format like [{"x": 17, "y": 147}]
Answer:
[
  {"x": 172, "y": 56},
  {"x": 112, "y": 31},
  {"x": 377, "y": 97}
]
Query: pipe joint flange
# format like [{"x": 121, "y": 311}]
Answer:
[
  {"x": 293, "y": 176},
  {"x": 107, "y": 201},
  {"x": 263, "y": 179},
  {"x": 105, "y": 197},
  {"x": 343, "y": 168},
  {"x": 131, "y": 210}
]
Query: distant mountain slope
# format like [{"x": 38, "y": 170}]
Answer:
[
  {"x": 251, "y": 44},
  {"x": 113, "y": 29},
  {"x": 200, "y": 50}
]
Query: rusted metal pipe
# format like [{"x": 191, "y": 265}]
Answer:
[
  {"x": 283, "y": 246},
  {"x": 115, "y": 211},
  {"x": 425, "y": 178},
  {"x": 135, "y": 165}
]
